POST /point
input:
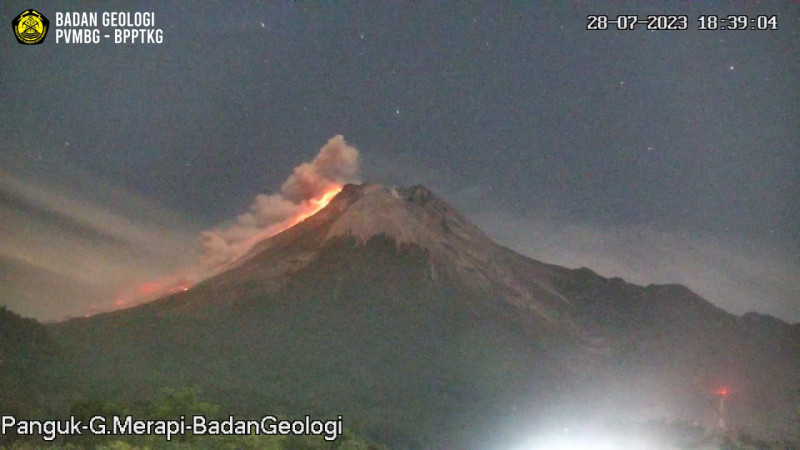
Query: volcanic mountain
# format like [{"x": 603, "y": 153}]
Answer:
[{"x": 389, "y": 308}]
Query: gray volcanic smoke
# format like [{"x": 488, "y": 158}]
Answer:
[{"x": 307, "y": 190}]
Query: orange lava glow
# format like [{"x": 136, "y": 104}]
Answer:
[
  {"x": 326, "y": 198},
  {"x": 172, "y": 284},
  {"x": 151, "y": 290},
  {"x": 316, "y": 204}
]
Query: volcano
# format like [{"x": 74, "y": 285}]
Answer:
[{"x": 389, "y": 308}]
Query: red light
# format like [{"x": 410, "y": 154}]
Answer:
[
  {"x": 149, "y": 288},
  {"x": 722, "y": 391}
]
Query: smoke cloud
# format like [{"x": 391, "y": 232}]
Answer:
[
  {"x": 335, "y": 165},
  {"x": 70, "y": 248}
]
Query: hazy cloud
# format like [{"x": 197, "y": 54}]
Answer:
[
  {"x": 63, "y": 256},
  {"x": 336, "y": 163},
  {"x": 737, "y": 276}
]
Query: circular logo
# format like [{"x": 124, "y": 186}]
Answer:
[{"x": 30, "y": 27}]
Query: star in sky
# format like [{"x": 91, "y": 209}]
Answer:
[{"x": 475, "y": 94}]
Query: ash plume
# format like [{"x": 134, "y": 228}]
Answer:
[{"x": 335, "y": 164}]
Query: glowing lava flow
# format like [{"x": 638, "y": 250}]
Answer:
[
  {"x": 310, "y": 208},
  {"x": 151, "y": 290},
  {"x": 168, "y": 285},
  {"x": 316, "y": 204},
  {"x": 313, "y": 206}
]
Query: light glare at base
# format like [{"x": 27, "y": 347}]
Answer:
[{"x": 568, "y": 441}]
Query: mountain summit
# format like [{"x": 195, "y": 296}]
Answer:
[
  {"x": 389, "y": 308},
  {"x": 456, "y": 250}
]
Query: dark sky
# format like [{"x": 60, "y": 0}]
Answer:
[{"x": 656, "y": 156}]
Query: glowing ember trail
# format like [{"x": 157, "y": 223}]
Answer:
[
  {"x": 310, "y": 207},
  {"x": 151, "y": 290},
  {"x": 316, "y": 205},
  {"x": 309, "y": 188},
  {"x": 169, "y": 285},
  {"x": 313, "y": 206}
]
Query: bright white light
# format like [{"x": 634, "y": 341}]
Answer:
[
  {"x": 567, "y": 442},
  {"x": 575, "y": 441}
]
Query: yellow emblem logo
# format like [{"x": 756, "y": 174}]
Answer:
[{"x": 30, "y": 27}]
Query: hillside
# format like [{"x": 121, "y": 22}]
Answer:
[{"x": 391, "y": 309}]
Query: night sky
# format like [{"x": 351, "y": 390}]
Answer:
[{"x": 655, "y": 156}]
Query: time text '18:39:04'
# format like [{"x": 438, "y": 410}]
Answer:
[{"x": 666, "y": 22}]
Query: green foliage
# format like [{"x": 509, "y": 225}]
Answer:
[
  {"x": 174, "y": 403},
  {"x": 26, "y": 351},
  {"x": 85, "y": 409}
]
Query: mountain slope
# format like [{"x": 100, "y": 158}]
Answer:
[
  {"x": 27, "y": 351},
  {"x": 391, "y": 309}
]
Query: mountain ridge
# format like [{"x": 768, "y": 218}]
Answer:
[{"x": 389, "y": 307}]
